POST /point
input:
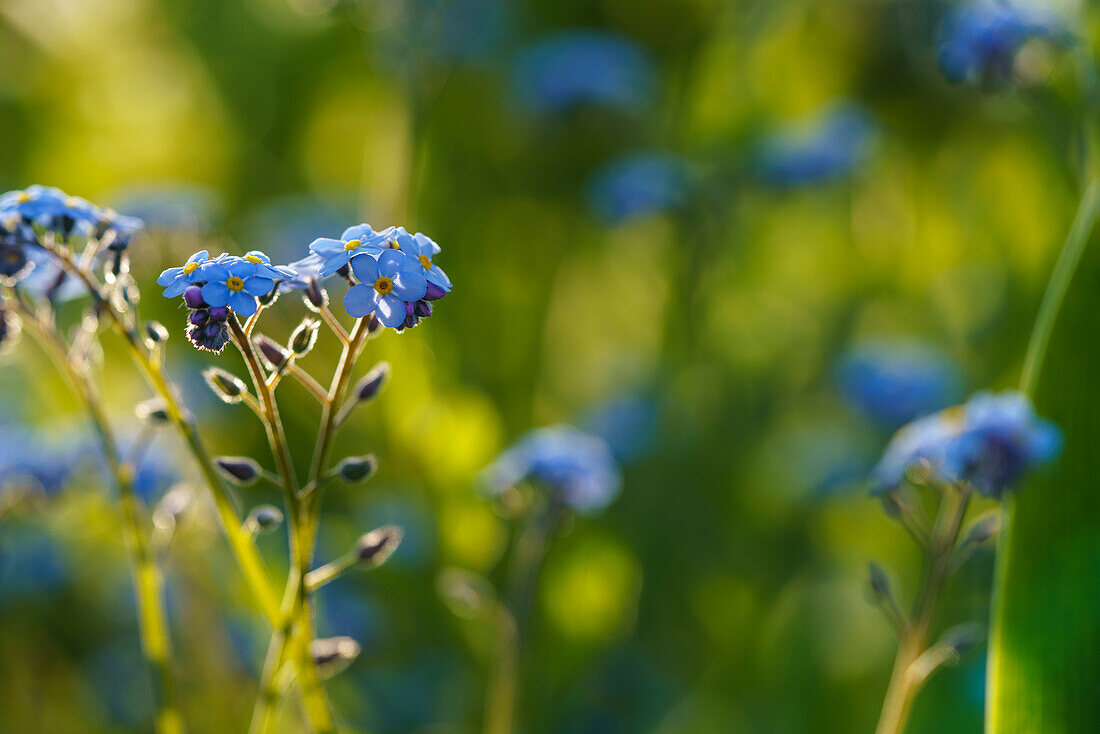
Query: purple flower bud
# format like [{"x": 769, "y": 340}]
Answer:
[
  {"x": 198, "y": 318},
  {"x": 219, "y": 313},
  {"x": 239, "y": 469},
  {"x": 434, "y": 292},
  {"x": 193, "y": 297},
  {"x": 212, "y": 330},
  {"x": 315, "y": 294},
  {"x": 423, "y": 309},
  {"x": 409, "y": 309}
]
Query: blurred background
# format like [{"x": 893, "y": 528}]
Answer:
[{"x": 743, "y": 241}]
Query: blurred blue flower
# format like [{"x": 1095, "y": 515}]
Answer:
[
  {"x": 825, "y": 147},
  {"x": 577, "y": 467},
  {"x": 29, "y": 458},
  {"x": 895, "y": 381},
  {"x": 235, "y": 282},
  {"x": 989, "y": 443},
  {"x": 583, "y": 67},
  {"x": 982, "y": 38},
  {"x": 53, "y": 209},
  {"x": 641, "y": 183},
  {"x": 388, "y": 286},
  {"x": 628, "y": 424},
  {"x": 175, "y": 280}
]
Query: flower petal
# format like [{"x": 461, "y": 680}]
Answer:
[
  {"x": 437, "y": 276},
  {"x": 215, "y": 293},
  {"x": 199, "y": 257},
  {"x": 409, "y": 285},
  {"x": 360, "y": 300},
  {"x": 177, "y": 288},
  {"x": 167, "y": 276},
  {"x": 257, "y": 286},
  {"x": 365, "y": 268},
  {"x": 242, "y": 303},
  {"x": 210, "y": 271},
  {"x": 333, "y": 264},
  {"x": 390, "y": 311},
  {"x": 390, "y": 262},
  {"x": 326, "y": 247},
  {"x": 361, "y": 232}
]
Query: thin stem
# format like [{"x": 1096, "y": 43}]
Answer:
[
  {"x": 156, "y": 641},
  {"x": 904, "y": 685},
  {"x": 248, "y": 558},
  {"x": 308, "y": 382}
]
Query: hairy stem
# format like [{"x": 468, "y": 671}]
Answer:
[
  {"x": 156, "y": 641},
  {"x": 904, "y": 685}
]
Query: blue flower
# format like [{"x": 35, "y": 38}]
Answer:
[
  {"x": 421, "y": 248},
  {"x": 983, "y": 37},
  {"x": 988, "y": 443},
  {"x": 53, "y": 209},
  {"x": 577, "y": 467},
  {"x": 638, "y": 184},
  {"x": 583, "y": 67},
  {"x": 265, "y": 268},
  {"x": 389, "y": 286},
  {"x": 356, "y": 240},
  {"x": 896, "y": 381},
  {"x": 234, "y": 282},
  {"x": 175, "y": 280},
  {"x": 820, "y": 149}
]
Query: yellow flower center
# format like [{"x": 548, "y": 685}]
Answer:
[
  {"x": 425, "y": 262},
  {"x": 395, "y": 245},
  {"x": 383, "y": 285},
  {"x": 190, "y": 268},
  {"x": 23, "y": 197},
  {"x": 253, "y": 259},
  {"x": 234, "y": 283},
  {"x": 954, "y": 416},
  {"x": 352, "y": 244}
]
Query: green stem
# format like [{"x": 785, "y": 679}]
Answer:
[
  {"x": 156, "y": 641},
  {"x": 240, "y": 542},
  {"x": 904, "y": 686},
  {"x": 1060, "y": 278}
]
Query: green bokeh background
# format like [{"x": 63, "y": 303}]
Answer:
[{"x": 722, "y": 592}]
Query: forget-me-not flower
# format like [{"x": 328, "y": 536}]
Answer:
[
  {"x": 638, "y": 184},
  {"x": 577, "y": 467},
  {"x": 983, "y": 37},
  {"x": 421, "y": 248},
  {"x": 988, "y": 443},
  {"x": 819, "y": 149},
  {"x": 355, "y": 241},
  {"x": 389, "y": 285},
  {"x": 234, "y": 282},
  {"x": 175, "y": 280}
]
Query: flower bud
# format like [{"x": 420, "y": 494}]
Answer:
[
  {"x": 153, "y": 411},
  {"x": 963, "y": 638},
  {"x": 219, "y": 313},
  {"x": 377, "y": 546},
  {"x": 225, "y": 385},
  {"x": 879, "y": 582},
  {"x": 422, "y": 309},
  {"x": 272, "y": 352},
  {"x": 263, "y": 519},
  {"x": 304, "y": 337},
  {"x": 333, "y": 655},
  {"x": 434, "y": 292},
  {"x": 193, "y": 297},
  {"x": 198, "y": 318},
  {"x": 155, "y": 333},
  {"x": 985, "y": 527},
  {"x": 240, "y": 469},
  {"x": 315, "y": 296},
  {"x": 357, "y": 468},
  {"x": 369, "y": 386}
]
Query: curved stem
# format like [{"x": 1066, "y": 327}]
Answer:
[
  {"x": 248, "y": 558},
  {"x": 156, "y": 641}
]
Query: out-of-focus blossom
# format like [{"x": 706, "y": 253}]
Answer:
[
  {"x": 578, "y": 468},
  {"x": 896, "y": 381},
  {"x": 29, "y": 457},
  {"x": 583, "y": 67},
  {"x": 52, "y": 209},
  {"x": 989, "y": 443},
  {"x": 825, "y": 147},
  {"x": 425, "y": 32},
  {"x": 638, "y": 184},
  {"x": 981, "y": 39},
  {"x": 628, "y": 424}
]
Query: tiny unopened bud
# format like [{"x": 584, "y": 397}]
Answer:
[
  {"x": 985, "y": 527},
  {"x": 240, "y": 469},
  {"x": 369, "y": 386},
  {"x": 219, "y": 313},
  {"x": 153, "y": 410},
  {"x": 422, "y": 309},
  {"x": 226, "y": 386},
  {"x": 434, "y": 292},
  {"x": 155, "y": 333},
  {"x": 333, "y": 655},
  {"x": 879, "y": 582},
  {"x": 270, "y": 297},
  {"x": 274, "y": 355},
  {"x": 356, "y": 468},
  {"x": 963, "y": 638},
  {"x": 315, "y": 296},
  {"x": 377, "y": 546},
  {"x": 193, "y": 297},
  {"x": 263, "y": 519},
  {"x": 373, "y": 324},
  {"x": 304, "y": 337}
]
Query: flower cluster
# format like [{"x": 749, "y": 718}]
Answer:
[
  {"x": 26, "y": 215},
  {"x": 981, "y": 39},
  {"x": 578, "y": 468},
  {"x": 988, "y": 443},
  {"x": 395, "y": 277},
  {"x": 214, "y": 288}
]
